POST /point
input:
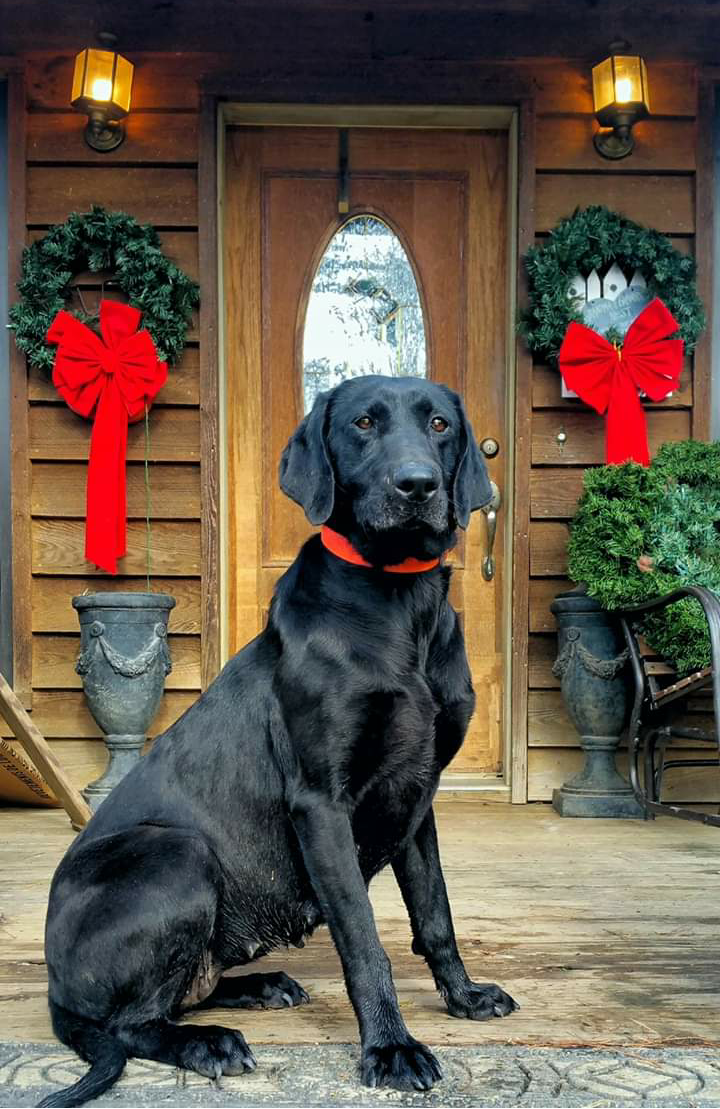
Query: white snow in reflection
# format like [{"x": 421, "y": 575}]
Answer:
[{"x": 364, "y": 314}]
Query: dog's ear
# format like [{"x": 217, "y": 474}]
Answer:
[
  {"x": 306, "y": 474},
  {"x": 471, "y": 487}
]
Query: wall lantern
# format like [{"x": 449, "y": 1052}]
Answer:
[
  {"x": 620, "y": 96},
  {"x": 101, "y": 88}
]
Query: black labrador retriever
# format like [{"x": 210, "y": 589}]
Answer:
[{"x": 307, "y": 766}]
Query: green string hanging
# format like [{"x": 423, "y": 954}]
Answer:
[{"x": 148, "y": 502}]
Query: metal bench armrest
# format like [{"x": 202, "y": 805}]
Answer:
[{"x": 710, "y": 603}]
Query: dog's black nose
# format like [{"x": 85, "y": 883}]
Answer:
[{"x": 416, "y": 482}]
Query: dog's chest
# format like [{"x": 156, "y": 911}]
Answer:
[
  {"x": 393, "y": 776},
  {"x": 391, "y": 744}
]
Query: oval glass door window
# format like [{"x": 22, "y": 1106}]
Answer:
[{"x": 364, "y": 314}]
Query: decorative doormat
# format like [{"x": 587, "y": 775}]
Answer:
[
  {"x": 20, "y": 783},
  {"x": 327, "y": 1076}
]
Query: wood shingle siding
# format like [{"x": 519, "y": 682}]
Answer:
[
  {"x": 58, "y": 434},
  {"x": 58, "y": 489},
  {"x": 152, "y": 177},
  {"x": 655, "y": 187},
  {"x": 53, "y": 613},
  {"x": 58, "y": 547}
]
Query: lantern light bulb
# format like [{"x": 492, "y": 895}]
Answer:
[
  {"x": 623, "y": 90},
  {"x": 101, "y": 89}
]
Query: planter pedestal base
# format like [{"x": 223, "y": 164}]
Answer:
[
  {"x": 124, "y": 752},
  {"x": 598, "y": 790},
  {"x": 591, "y": 665}
]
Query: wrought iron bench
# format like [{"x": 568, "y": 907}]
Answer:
[{"x": 658, "y": 693}]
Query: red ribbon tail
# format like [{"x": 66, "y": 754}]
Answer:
[
  {"x": 105, "y": 516},
  {"x": 121, "y": 528},
  {"x": 626, "y": 428}
]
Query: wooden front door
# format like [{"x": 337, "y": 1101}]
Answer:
[{"x": 444, "y": 195}]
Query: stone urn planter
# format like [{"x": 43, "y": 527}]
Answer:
[
  {"x": 591, "y": 666},
  {"x": 123, "y": 661}
]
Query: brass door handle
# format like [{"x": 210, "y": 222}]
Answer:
[{"x": 491, "y": 510}]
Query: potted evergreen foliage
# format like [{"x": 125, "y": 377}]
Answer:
[{"x": 638, "y": 533}]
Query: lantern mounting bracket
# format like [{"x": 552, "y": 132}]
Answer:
[
  {"x": 103, "y": 134},
  {"x": 618, "y": 142}
]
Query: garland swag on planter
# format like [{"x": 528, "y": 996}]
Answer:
[
  {"x": 101, "y": 241},
  {"x": 593, "y": 238},
  {"x": 640, "y": 532}
]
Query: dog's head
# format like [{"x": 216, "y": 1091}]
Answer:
[{"x": 391, "y": 463}]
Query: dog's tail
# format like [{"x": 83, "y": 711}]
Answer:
[{"x": 106, "y": 1055}]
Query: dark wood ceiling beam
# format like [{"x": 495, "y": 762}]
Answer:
[{"x": 425, "y": 29}]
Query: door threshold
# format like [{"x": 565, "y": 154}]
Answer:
[{"x": 472, "y": 787}]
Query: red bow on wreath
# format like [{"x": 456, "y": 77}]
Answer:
[
  {"x": 608, "y": 376},
  {"x": 121, "y": 374}
]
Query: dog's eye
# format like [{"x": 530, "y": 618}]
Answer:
[
  {"x": 438, "y": 424},
  {"x": 364, "y": 423}
]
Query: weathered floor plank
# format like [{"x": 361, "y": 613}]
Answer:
[{"x": 605, "y": 931}]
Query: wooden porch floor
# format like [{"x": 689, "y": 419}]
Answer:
[{"x": 605, "y": 931}]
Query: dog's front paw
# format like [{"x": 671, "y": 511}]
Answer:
[
  {"x": 404, "y": 1066},
  {"x": 480, "y": 1001}
]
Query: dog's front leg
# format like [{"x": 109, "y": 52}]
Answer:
[
  {"x": 390, "y": 1055},
  {"x": 419, "y": 875}
]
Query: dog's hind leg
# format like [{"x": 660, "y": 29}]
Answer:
[
  {"x": 256, "y": 991},
  {"x": 209, "y": 1050},
  {"x": 129, "y": 945}
]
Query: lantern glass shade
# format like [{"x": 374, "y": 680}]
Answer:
[
  {"x": 102, "y": 79},
  {"x": 620, "y": 85}
]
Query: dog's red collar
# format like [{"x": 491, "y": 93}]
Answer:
[{"x": 342, "y": 548}]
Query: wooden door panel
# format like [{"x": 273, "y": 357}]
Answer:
[
  {"x": 293, "y": 248},
  {"x": 444, "y": 195},
  {"x": 295, "y": 223}
]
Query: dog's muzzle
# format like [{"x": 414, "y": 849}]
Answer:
[{"x": 416, "y": 482}]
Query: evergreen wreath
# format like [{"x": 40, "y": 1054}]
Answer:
[
  {"x": 101, "y": 241},
  {"x": 592, "y": 238},
  {"x": 640, "y": 532}
]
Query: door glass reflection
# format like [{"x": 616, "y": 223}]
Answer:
[{"x": 364, "y": 314}]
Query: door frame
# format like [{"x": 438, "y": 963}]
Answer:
[
  {"x": 16, "y": 605},
  {"x": 518, "y": 120}
]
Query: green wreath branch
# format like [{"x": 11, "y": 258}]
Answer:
[
  {"x": 101, "y": 241},
  {"x": 593, "y": 238}
]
